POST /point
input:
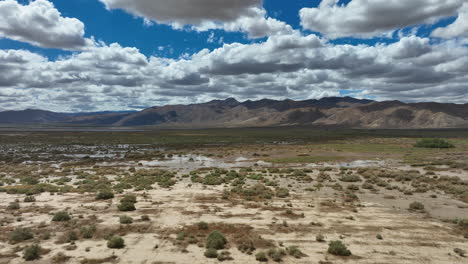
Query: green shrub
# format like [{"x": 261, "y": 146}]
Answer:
[
  {"x": 282, "y": 192},
  {"x": 416, "y": 206},
  {"x": 145, "y": 218},
  {"x": 224, "y": 255},
  {"x": 126, "y": 207},
  {"x": 32, "y": 252},
  {"x": 433, "y": 143},
  {"x": 104, "y": 195},
  {"x": 261, "y": 256},
  {"x": 202, "y": 225},
  {"x": 116, "y": 242},
  {"x": 71, "y": 236},
  {"x": 350, "y": 178},
  {"x": 181, "y": 236},
  {"x": 295, "y": 252},
  {"x": 276, "y": 254},
  {"x": 338, "y": 248},
  {"x": 129, "y": 198},
  {"x": 87, "y": 231},
  {"x": 216, "y": 240},
  {"x": 29, "y": 199},
  {"x": 13, "y": 206},
  {"x": 353, "y": 187},
  {"x": 61, "y": 216},
  {"x": 211, "y": 253},
  {"x": 21, "y": 234},
  {"x": 124, "y": 219}
]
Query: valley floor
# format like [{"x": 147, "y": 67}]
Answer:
[{"x": 383, "y": 199}]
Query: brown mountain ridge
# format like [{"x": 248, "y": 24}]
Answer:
[{"x": 330, "y": 111}]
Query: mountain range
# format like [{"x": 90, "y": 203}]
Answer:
[{"x": 330, "y": 111}]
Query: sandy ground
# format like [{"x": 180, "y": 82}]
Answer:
[{"x": 407, "y": 237}]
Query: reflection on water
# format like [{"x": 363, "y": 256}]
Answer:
[
  {"x": 192, "y": 162},
  {"x": 352, "y": 164}
]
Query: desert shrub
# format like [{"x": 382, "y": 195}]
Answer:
[
  {"x": 276, "y": 254},
  {"x": 224, "y": 255},
  {"x": 60, "y": 258},
  {"x": 282, "y": 192},
  {"x": 379, "y": 237},
  {"x": 216, "y": 240},
  {"x": 353, "y": 187},
  {"x": 211, "y": 253},
  {"x": 416, "y": 206},
  {"x": 145, "y": 218},
  {"x": 213, "y": 179},
  {"x": 21, "y": 234},
  {"x": 61, "y": 216},
  {"x": 261, "y": 256},
  {"x": 338, "y": 248},
  {"x": 181, "y": 236},
  {"x": 29, "y": 199},
  {"x": 71, "y": 236},
  {"x": 202, "y": 225},
  {"x": 295, "y": 252},
  {"x": 320, "y": 238},
  {"x": 126, "y": 207},
  {"x": 350, "y": 178},
  {"x": 125, "y": 219},
  {"x": 116, "y": 242},
  {"x": 88, "y": 231},
  {"x": 129, "y": 198},
  {"x": 32, "y": 252},
  {"x": 104, "y": 195},
  {"x": 257, "y": 191},
  {"x": 13, "y": 206},
  {"x": 433, "y": 143}
]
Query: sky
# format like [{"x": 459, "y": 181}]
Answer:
[{"x": 112, "y": 55}]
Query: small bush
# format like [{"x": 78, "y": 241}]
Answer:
[
  {"x": 338, "y": 248},
  {"x": 126, "y": 207},
  {"x": 13, "y": 206},
  {"x": 61, "y": 216},
  {"x": 295, "y": 252},
  {"x": 282, "y": 192},
  {"x": 104, "y": 195},
  {"x": 116, "y": 242},
  {"x": 416, "y": 206},
  {"x": 71, "y": 236},
  {"x": 202, "y": 225},
  {"x": 276, "y": 254},
  {"x": 87, "y": 231},
  {"x": 29, "y": 199},
  {"x": 181, "y": 236},
  {"x": 32, "y": 252},
  {"x": 350, "y": 178},
  {"x": 126, "y": 220},
  {"x": 129, "y": 198},
  {"x": 433, "y": 143},
  {"x": 224, "y": 255},
  {"x": 211, "y": 253},
  {"x": 21, "y": 234},
  {"x": 216, "y": 240},
  {"x": 320, "y": 238},
  {"x": 261, "y": 256},
  {"x": 145, "y": 218}
]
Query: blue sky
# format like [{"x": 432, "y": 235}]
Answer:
[
  {"x": 211, "y": 54},
  {"x": 130, "y": 31}
]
